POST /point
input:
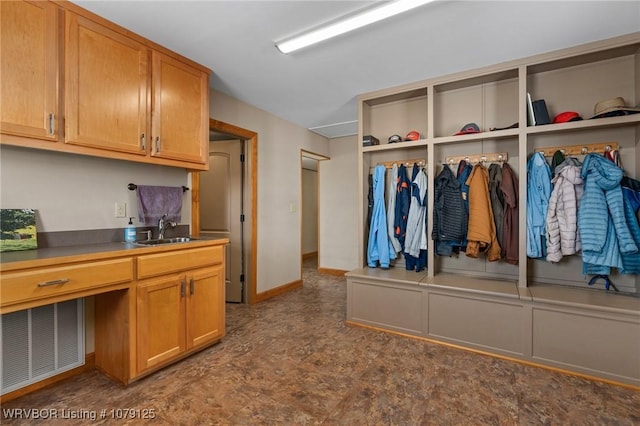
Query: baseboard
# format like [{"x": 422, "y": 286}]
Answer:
[
  {"x": 334, "y": 272},
  {"x": 309, "y": 255},
  {"x": 89, "y": 364},
  {"x": 260, "y": 297}
]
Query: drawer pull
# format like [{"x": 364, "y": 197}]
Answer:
[
  {"x": 53, "y": 282},
  {"x": 191, "y": 287},
  {"x": 183, "y": 286}
]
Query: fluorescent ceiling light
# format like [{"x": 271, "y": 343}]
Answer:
[{"x": 348, "y": 24}]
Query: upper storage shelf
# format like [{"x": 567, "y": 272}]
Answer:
[
  {"x": 578, "y": 83},
  {"x": 398, "y": 113},
  {"x": 489, "y": 101}
]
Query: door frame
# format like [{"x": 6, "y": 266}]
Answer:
[
  {"x": 318, "y": 157},
  {"x": 252, "y": 140}
]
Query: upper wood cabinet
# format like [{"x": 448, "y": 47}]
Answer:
[
  {"x": 106, "y": 87},
  {"x": 180, "y": 119},
  {"x": 119, "y": 95},
  {"x": 29, "y": 68}
]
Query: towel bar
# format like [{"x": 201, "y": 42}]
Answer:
[{"x": 133, "y": 186}]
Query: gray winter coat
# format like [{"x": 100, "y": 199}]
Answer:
[{"x": 562, "y": 215}]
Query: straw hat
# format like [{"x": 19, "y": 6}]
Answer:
[{"x": 612, "y": 107}]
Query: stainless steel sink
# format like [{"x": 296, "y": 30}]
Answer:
[{"x": 174, "y": 240}]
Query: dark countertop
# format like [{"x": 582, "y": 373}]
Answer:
[{"x": 50, "y": 256}]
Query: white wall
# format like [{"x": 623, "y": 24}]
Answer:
[
  {"x": 338, "y": 247},
  {"x": 73, "y": 192},
  {"x": 279, "y": 186}
]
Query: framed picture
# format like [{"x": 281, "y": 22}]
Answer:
[{"x": 18, "y": 230}]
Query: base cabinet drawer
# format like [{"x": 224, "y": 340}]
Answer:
[
  {"x": 34, "y": 285},
  {"x": 154, "y": 265},
  {"x": 474, "y": 321},
  {"x": 606, "y": 346}
]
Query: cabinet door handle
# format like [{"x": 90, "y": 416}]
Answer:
[
  {"x": 53, "y": 282},
  {"x": 157, "y": 143},
  {"x": 52, "y": 124},
  {"x": 183, "y": 284},
  {"x": 192, "y": 287},
  {"x": 143, "y": 142}
]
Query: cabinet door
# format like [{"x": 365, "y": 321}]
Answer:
[
  {"x": 106, "y": 81},
  {"x": 160, "y": 320},
  {"x": 205, "y": 306},
  {"x": 180, "y": 117},
  {"x": 29, "y": 69}
]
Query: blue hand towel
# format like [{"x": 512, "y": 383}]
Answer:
[{"x": 155, "y": 201}]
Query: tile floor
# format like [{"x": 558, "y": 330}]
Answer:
[{"x": 292, "y": 361}]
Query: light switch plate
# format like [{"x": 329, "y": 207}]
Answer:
[{"x": 121, "y": 210}]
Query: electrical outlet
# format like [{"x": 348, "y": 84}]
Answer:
[{"x": 121, "y": 209}]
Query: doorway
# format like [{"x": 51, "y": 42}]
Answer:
[
  {"x": 224, "y": 205},
  {"x": 309, "y": 206}
]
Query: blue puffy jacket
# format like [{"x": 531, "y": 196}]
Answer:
[{"x": 604, "y": 231}]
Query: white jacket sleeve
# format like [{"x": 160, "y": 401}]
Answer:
[{"x": 554, "y": 254}]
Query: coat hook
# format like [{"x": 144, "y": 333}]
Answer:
[
  {"x": 608, "y": 148},
  {"x": 584, "y": 150}
]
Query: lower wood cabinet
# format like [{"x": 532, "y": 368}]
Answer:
[
  {"x": 178, "y": 313},
  {"x": 174, "y": 307},
  {"x": 161, "y": 321}
]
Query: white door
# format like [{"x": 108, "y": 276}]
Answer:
[{"x": 221, "y": 208}]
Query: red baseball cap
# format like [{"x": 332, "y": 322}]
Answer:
[
  {"x": 412, "y": 136},
  {"x": 567, "y": 116}
]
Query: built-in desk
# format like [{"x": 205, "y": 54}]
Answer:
[{"x": 136, "y": 290}]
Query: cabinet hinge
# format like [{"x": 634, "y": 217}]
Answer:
[
  {"x": 241, "y": 218},
  {"x": 241, "y": 278},
  {"x": 242, "y": 158}
]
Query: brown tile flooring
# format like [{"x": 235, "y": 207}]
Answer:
[{"x": 292, "y": 360}]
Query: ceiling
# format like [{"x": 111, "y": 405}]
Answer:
[{"x": 317, "y": 87}]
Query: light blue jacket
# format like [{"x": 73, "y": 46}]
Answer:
[
  {"x": 379, "y": 247},
  {"x": 538, "y": 194},
  {"x": 602, "y": 223}
]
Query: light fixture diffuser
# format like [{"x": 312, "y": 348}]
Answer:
[{"x": 348, "y": 24}]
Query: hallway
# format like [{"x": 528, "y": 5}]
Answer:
[{"x": 292, "y": 360}]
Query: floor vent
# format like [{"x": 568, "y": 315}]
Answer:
[{"x": 41, "y": 342}]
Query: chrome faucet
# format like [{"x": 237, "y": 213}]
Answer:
[{"x": 163, "y": 224}]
